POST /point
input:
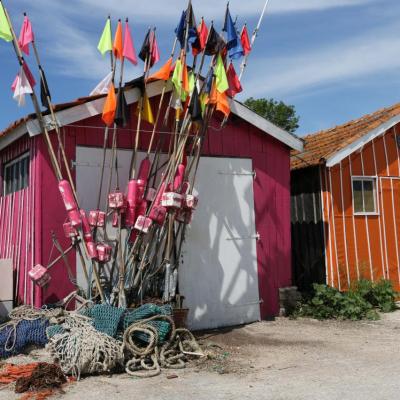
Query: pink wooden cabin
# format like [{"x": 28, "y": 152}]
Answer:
[{"x": 238, "y": 246}]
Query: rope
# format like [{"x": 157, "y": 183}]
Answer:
[{"x": 147, "y": 360}]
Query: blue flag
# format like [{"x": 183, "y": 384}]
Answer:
[
  {"x": 234, "y": 44},
  {"x": 180, "y": 30}
]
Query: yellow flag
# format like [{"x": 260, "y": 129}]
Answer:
[
  {"x": 5, "y": 31},
  {"x": 147, "y": 112}
]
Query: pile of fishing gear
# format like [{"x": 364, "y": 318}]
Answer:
[
  {"x": 101, "y": 338},
  {"x": 125, "y": 319}
]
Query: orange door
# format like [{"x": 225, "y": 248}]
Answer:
[{"x": 389, "y": 199}]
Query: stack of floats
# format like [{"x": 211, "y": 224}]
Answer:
[{"x": 158, "y": 202}]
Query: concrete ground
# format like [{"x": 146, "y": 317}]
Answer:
[{"x": 280, "y": 360}]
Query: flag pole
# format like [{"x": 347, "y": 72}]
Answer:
[
  {"x": 38, "y": 112},
  {"x": 253, "y": 39},
  {"x": 106, "y": 130},
  {"x": 53, "y": 117},
  {"x": 34, "y": 99}
]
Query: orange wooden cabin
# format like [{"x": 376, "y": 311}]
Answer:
[{"x": 346, "y": 203}]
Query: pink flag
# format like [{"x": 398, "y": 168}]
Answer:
[
  {"x": 26, "y": 36},
  {"x": 28, "y": 76},
  {"x": 129, "y": 49},
  {"x": 155, "y": 51}
]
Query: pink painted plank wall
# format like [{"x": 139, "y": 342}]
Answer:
[
  {"x": 238, "y": 139},
  {"x": 19, "y": 229}
]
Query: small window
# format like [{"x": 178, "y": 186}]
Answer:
[
  {"x": 364, "y": 195},
  {"x": 16, "y": 175}
]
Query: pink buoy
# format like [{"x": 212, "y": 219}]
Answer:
[
  {"x": 116, "y": 201},
  {"x": 143, "y": 224},
  {"x": 144, "y": 170},
  {"x": 39, "y": 275},
  {"x": 172, "y": 200},
  {"x": 179, "y": 176},
  {"x": 69, "y": 230},
  {"x": 97, "y": 218},
  {"x": 104, "y": 252},
  {"x": 158, "y": 214},
  {"x": 131, "y": 199},
  {"x": 69, "y": 202},
  {"x": 87, "y": 236}
]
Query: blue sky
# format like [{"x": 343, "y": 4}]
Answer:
[{"x": 335, "y": 60}]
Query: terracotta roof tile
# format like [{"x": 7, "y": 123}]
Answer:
[{"x": 321, "y": 145}]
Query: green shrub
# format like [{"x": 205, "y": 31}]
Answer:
[{"x": 361, "y": 302}]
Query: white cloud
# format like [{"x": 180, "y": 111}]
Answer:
[
  {"x": 373, "y": 53},
  {"x": 287, "y": 6}
]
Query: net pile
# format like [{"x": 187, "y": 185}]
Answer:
[
  {"x": 105, "y": 318},
  {"x": 15, "y": 336},
  {"x": 82, "y": 350}
]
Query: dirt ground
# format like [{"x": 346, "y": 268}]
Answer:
[{"x": 280, "y": 360}]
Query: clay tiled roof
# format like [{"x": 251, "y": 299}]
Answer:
[{"x": 321, "y": 145}]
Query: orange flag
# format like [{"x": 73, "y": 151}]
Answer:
[
  {"x": 110, "y": 106},
  {"x": 213, "y": 97},
  {"x": 223, "y": 104},
  {"x": 185, "y": 78},
  {"x": 163, "y": 73},
  {"x": 118, "y": 46}
]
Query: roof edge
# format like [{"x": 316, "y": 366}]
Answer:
[
  {"x": 94, "y": 107},
  {"x": 359, "y": 143}
]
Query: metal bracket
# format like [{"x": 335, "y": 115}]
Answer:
[
  {"x": 256, "y": 237},
  {"x": 252, "y": 173}
]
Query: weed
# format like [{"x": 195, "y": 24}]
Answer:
[{"x": 362, "y": 301}]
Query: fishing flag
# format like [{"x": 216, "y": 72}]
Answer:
[
  {"x": 129, "y": 49},
  {"x": 234, "y": 45},
  {"x": 122, "y": 111},
  {"x": 155, "y": 51},
  {"x": 215, "y": 43},
  {"x": 29, "y": 74},
  {"x": 233, "y": 80},
  {"x": 21, "y": 87},
  {"x": 118, "y": 46},
  {"x": 163, "y": 73},
  {"x": 110, "y": 106},
  {"x": 202, "y": 35},
  {"x": 209, "y": 81},
  {"x": 195, "y": 108},
  {"x": 147, "y": 112},
  {"x": 150, "y": 51},
  {"x": 103, "y": 86},
  {"x": 105, "y": 43},
  {"x": 180, "y": 30},
  {"x": 26, "y": 36},
  {"x": 245, "y": 40},
  {"x": 44, "y": 90},
  {"x": 223, "y": 104},
  {"x": 221, "y": 80},
  {"x": 5, "y": 30},
  {"x": 176, "y": 77}
]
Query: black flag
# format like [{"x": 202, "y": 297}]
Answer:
[
  {"x": 44, "y": 90},
  {"x": 215, "y": 43},
  {"x": 195, "y": 107},
  {"x": 146, "y": 46},
  {"x": 122, "y": 111}
]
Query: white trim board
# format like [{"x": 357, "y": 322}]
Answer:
[
  {"x": 95, "y": 107},
  {"x": 359, "y": 143}
]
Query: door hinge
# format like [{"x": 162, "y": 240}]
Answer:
[{"x": 256, "y": 237}]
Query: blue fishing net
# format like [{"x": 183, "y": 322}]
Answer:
[{"x": 14, "y": 338}]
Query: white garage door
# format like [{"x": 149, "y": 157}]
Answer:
[{"x": 219, "y": 273}]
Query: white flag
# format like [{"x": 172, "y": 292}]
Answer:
[
  {"x": 103, "y": 86},
  {"x": 21, "y": 87}
]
